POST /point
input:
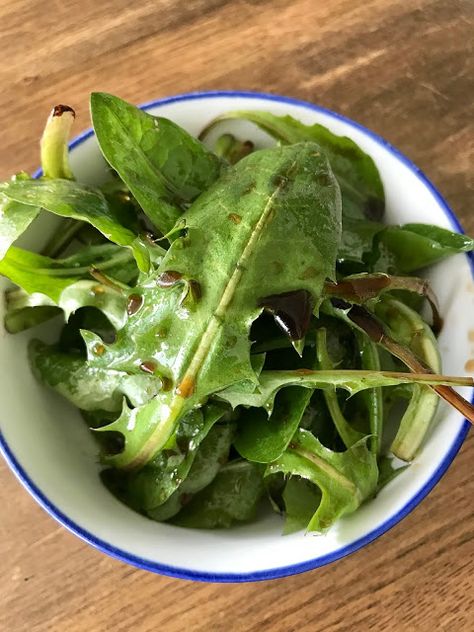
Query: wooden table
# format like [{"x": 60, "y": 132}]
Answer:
[{"x": 405, "y": 69}]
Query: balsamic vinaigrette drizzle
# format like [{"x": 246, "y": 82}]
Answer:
[{"x": 292, "y": 311}]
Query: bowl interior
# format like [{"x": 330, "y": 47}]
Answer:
[{"x": 51, "y": 450}]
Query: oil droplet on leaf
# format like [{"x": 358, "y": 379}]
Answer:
[
  {"x": 135, "y": 301},
  {"x": 195, "y": 290},
  {"x": 186, "y": 388},
  {"x": 99, "y": 349},
  {"x": 169, "y": 278},
  {"x": 148, "y": 366}
]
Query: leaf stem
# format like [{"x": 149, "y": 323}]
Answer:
[
  {"x": 348, "y": 435},
  {"x": 62, "y": 237},
  {"x": 373, "y": 397},
  {"x": 120, "y": 257}
]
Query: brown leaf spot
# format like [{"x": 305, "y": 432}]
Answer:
[
  {"x": 304, "y": 372},
  {"x": 234, "y": 217},
  {"x": 309, "y": 273},
  {"x": 291, "y": 310}
]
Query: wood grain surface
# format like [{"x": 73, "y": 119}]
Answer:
[{"x": 403, "y": 68}]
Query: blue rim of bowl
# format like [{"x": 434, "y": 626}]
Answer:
[{"x": 284, "y": 571}]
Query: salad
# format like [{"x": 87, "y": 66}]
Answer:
[{"x": 237, "y": 326}]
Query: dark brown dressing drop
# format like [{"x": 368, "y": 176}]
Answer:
[
  {"x": 135, "y": 301},
  {"x": 195, "y": 289},
  {"x": 291, "y": 310},
  {"x": 169, "y": 278},
  {"x": 149, "y": 366}
]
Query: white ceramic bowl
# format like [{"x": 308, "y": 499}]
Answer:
[{"x": 50, "y": 450}]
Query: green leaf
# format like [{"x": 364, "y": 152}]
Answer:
[
  {"x": 415, "y": 246},
  {"x": 211, "y": 454},
  {"x": 388, "y": 471},
  {"x": 301, "y": 498},
  {"x": 163, "y": 165},
  {"x": 357, "y": 239},
  {"x": 80, "y": 202},
  {"x": 50, "y": 282},
  {"x": 33, "y": 273},
  {"x": 15, "y": 218},
  {"x": 232, "y": 497},
  {"x": 345, "y": 479},
  {"x": 353, "y": 381},
  {"x": 27, "y": 317},
  {"x": 153, "y": 486},
  {"x": 197, "y": 312},
  {"x": 349, "y": 435},
  {"x": 263, "y": 439},
  {"x": 109, "y": 301},
  {"x": 86, "y": 387},
  {"x": 409, "y": 329},
  {"x": 232, "y": 149},
  {"x": 359, "y": 179}
]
